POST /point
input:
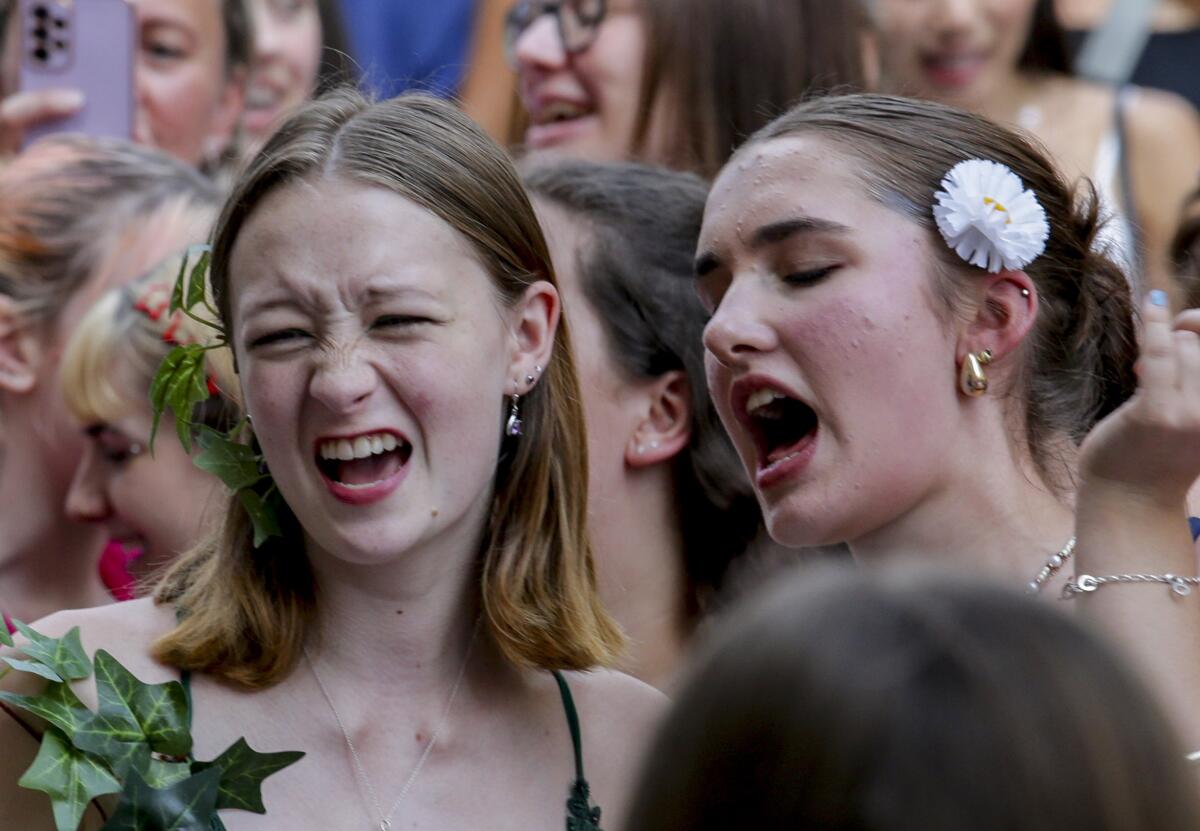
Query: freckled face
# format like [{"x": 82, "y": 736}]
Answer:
[
  {"x": 359, "y": 315},
  {"x": 827, "y": 362}
]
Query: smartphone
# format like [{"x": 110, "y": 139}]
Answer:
[{"x": 87, "y": 45}]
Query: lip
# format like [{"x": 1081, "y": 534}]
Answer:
[
  {"x": 768, "y": 475},
  {"x": 539, "y": 136},
  {"x": 362, "y": 495},
  {"x": 953, "y": 70}
]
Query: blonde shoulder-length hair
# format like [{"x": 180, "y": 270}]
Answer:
[{"x": 244, "y": 612}]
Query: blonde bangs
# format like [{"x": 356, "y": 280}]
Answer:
[{"x": 86, "y": 371}]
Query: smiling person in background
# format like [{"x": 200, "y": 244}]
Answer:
[
  {"x": 189, "y": 85},
  {"x": 674, "y": 82},
  {"x": 154, "y": 504},
  {"x": 300, "y": 49},
  {"x": 1007, "y": 60}
]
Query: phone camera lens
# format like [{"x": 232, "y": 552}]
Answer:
[
  {"x": 40, "y": 33},
  {"x": 60, "y": 23},
  {"x": 41, "y": 54},
  {"x": 41, "y": 12}
]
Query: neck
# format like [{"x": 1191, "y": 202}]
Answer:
[
  {"x": 993, "y": 518},
  {"x": 402, "y": 624},
  {"x": 641, "y": 574},
  {"x": 1009, "y": 97},
  {"x": 47, "y": 563}
]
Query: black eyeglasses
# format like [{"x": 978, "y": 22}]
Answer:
[{"x": 577, "y": 22}]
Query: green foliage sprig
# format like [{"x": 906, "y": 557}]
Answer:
[
  {"x": 137, "y": 744},
  {"x": 182, "y": 383}
]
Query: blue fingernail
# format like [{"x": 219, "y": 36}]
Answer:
[{"x": 1158, "y": 297}]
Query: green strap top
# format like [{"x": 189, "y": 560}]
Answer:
[{"x": 581, "y": 814}]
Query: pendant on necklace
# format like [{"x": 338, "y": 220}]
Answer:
[{"x": 385, "y": 825}]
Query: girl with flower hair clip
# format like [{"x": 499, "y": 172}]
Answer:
[
  {"x": 154, "y": 505},
  {"x": 918, "y": 351}
]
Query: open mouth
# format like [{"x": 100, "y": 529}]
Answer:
[
  {"x": 783, "y": 427},
  {"x": 362, "y": 462},
  {"x": 953, "y": 68},
  {"x": 560, "y": 112}
]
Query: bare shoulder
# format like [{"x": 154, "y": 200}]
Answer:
[
  {"x": 618, "y": 717},
  {"x": 1161, "y": 121},
  {"x": 125, "y": 630}
]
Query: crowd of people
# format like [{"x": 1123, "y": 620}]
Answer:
[{"x": 726, "y": 413}]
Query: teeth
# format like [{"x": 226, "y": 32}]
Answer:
[
  {"x": 560, "y": 111},
  {"x": 762, "y": 398},
  {"x": 362, "y": 447}
]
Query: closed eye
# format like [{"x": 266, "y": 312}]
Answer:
[
  {"x": 810, "y": 277},
  {"x": 281, "y": 336},
  {"x": 388, "y": 321}
]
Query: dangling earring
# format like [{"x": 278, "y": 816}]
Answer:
[
  {"x": 514, "y": 426},
  {"x": 972, "y": 380}
]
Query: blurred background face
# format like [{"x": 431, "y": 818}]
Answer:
[
  {"x": 579, "y": 81},
  {"x": 188, "y": 103},
  {"x": 287, "y": 57},
  {"x": 155, "y": 503},
  {"x": 607, "y": 392},
  {"x": 957, "y": 51}
]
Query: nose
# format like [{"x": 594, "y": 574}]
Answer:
[
  {"x": 87, "y": 500},
  {"x": 344, "y": 380},
  {"x": 539, "y": 46},
  {"x": 952, "y": 15},
  {"x": 739, "y": 328},
  {"x": 266, "y": 32}
]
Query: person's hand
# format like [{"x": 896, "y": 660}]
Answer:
[
  {"x": 23, "y": 110},
  {"x": 1149, "y": 448}
]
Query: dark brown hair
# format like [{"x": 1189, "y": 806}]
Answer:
[
  {"x": 239, "y": 34},
  {"x": 851, "y": 701},
  {"x": 337, "y": 65},
  {"x": 641, "y": 224},
  {"x": 1046, "y": 47},
  {"x": 1078, "y": 359},
  {"x": 717, "y": 70},
  {"x": 248, "y": 610}
]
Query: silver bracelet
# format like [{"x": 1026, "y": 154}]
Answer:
[{"x": 1085, "y": 583}]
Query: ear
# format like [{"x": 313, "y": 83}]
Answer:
[
  {"x": 20, "y": 350},
  {"x": 1006, "y": 313},
  {"x": 534, "y": 321},
  {"x": 666, "y": 428}
]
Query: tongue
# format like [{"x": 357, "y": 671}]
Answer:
[
  {"x": 782, "y": 452},
  {"x": 369, "y": 470}
]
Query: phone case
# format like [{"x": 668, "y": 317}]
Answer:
[{"x": 87, "y": 45}]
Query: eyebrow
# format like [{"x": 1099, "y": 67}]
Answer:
[{"x": 773, "y": 233}]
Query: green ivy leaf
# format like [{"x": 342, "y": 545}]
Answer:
[
  {"x": 35, "y": 667},
  {"x": 58, "y": 705},
  {"x": 233, "y": 463},
  {"x": 198, "y": 281},
  {"x": 188, "y": 805},
  {"x": 134, "y": 714},
  {"x": 5, "y": 637},
  {"x": 243, "y": 770},
  {"x": 262, "y": 515},
  {"x": 162, "y": 774},
  {"x": 65, "y": 655},
  {"x": 180, "y": 383},
  {"x": 178, "y": 287},
  {"x": 69, "y": 777}
]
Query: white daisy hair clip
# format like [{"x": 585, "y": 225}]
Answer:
[{"x": 987, "y": 215}]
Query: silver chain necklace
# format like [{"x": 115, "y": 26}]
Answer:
[
  {"x": 1056, "y": 561},
  {"x": 385, "y": 820}
]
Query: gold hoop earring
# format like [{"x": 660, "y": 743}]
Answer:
[{"x": 972, "y": 380}]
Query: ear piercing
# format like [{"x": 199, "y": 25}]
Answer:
[
  {"x": 641, "y": 448},
  {"x": 1025, "y": 292}
]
